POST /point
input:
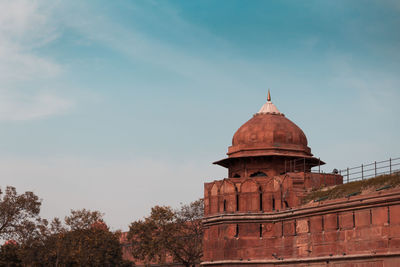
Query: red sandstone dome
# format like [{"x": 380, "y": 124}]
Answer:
[{"x": 269, "y": 133}]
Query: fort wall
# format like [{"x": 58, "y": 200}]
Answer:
[
  {"x": 258, "y": 217},
  {"x": 357, "y": 231}
]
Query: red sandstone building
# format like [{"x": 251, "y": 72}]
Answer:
[{"x": 256, "y": 216}]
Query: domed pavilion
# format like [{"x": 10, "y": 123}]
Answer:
[
  {"x": 268, "y": 144},
  {"x": 269, "y": 172}
]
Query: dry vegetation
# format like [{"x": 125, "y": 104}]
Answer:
[{"x": 380, "y": 182}]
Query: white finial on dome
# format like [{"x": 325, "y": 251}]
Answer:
[{"x": 269, "y": 108}]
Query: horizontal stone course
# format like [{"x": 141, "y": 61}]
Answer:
[{"x": 352, "y": 232}]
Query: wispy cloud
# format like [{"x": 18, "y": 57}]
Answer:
[
  {"x": 376, "y": 91},
  {"x": 186, "y": 49},
  {"x": 25, "y": 26},
  {"x": 17, "y": 106}
]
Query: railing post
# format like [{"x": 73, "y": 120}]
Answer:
[
  {"x": 319, "y": 165},
  {"x": 362, "y": 171},
  {"x": 347, "y": 174},
  {"x": 375, "y": 168},
  {"x": 390, "y": 164}
]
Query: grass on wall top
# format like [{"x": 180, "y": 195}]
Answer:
[{"x": 344, "y": 190}]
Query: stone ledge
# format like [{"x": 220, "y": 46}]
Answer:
[
  {"x": 304, "y": 260},
  {"x": 339, "y": 205}
]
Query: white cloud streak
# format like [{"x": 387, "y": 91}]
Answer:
[
  {"x": 26, "y": 25},
  {"x": 17, "y": 106},
  {"x": 209, "y": 60}
]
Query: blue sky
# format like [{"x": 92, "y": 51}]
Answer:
[{"x": 122, "y": 105}]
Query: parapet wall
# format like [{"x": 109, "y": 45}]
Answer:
[
  {"x": 358, "y": 231},
  {"x": 262, "y": 194}
]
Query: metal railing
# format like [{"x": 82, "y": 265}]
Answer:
[
  {"x": 366, "y": 171},
  {"x": 295, "y": 165}
]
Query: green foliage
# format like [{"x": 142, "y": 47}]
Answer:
[
  {"x": 168, "y": 232},
  {"x": 17, "y": 212},
  {"x": 148, "y": 236},
  {"x": 86, "y": 247},
  {"x": 84, "y": 239},
  {"x": 82, "y": 219},
  {"x": 348, "y": 188}
]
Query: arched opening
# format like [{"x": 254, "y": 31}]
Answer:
[
  {"x": 258, "y": 174},
  {"x": 224, "y": 204},
  {"x": 214, "y": 206},
  {"x": 286, "y": 203},
  {"x": 237, "y": 199},
  {"x": 261, "y": 228},
  {"x": 273, "y": 203},
  {"x": 236, "y": 175},
  {"x": 237, "y": 230},
  {"x": 261, "y": 198}
]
